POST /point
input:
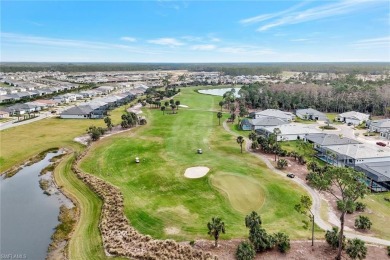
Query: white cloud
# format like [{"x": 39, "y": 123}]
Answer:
[
  {"x": 246, "y": 50},
  {"x": 64, "y": 43},
  {"x": 203, "y": 47},
  {"x": 290, "y": 16},
  {"x": 265, "y": 17},
  {"x": 372, "y": 43},
  {"x": 128, "y": 39},
  {"x": 172, "y": 42}
]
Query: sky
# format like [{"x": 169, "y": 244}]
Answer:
[{"x": 195, "y": 31}]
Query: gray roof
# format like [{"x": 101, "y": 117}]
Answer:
[
  {"x": 361, "y": 151},
  {"x": 275, "y": 113},
  {"x": 384, "y": 123},
  {"x": 330, "y": 139},
  {"x": 268, "y": 121},
  {"x": 355, "y": 115},
  {"x": 78, "y": 110},
  {"x": 310, "y": 111},
  {"x": 378, "y": 171}
]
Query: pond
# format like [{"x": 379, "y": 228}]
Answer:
[
  {"x": 27, "y": 215},
  {"x": 218, "y": 91}
]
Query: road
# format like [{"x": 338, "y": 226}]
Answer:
[{"x": 316, "y": 208}]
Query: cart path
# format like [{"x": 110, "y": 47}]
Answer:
[{"x": 316, "y": 208}]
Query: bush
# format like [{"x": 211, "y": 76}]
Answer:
[
  {"x": 281, "y": 164},
  {"x": 332, "y": 238},
  {"x": 363, "y": 222},
  {"x": 245, "y": 251},
  {"x": 260, "y": 239},
  {"x": 192, "y": 243},
  {"x": 388, "y": 250},
  {"x": 356, "y": 249},
  {"x": 360, "y": 206},
  {"x": 282, "y": 241},
  {"x": 349, "y": 206}
]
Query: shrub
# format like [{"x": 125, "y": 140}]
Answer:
[
  {"x": 349, "y": 206},
  {"x": 281, "y": 164},
  {"x": 360, "y": 206},
  {"x": 388, "y": 250},
  {"x": 363, "y": 222},
  {"x": 332, "y": 237},
  {"x": 356, "y": 249},
  {"x": 192, "y": 243},
  {"x": 245, "y": 251},
  {"x": 282, "y": 241},
  {"x": 260, "y": 239}
]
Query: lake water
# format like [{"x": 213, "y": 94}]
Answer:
[
  {"x": 27, "y": 216},
  {"x": 218, "y": 91}
]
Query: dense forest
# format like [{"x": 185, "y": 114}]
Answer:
[
  {"x": 339, "y": 97},
  {"x": 233, "y": 69}
]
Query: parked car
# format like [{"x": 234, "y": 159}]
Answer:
[
  {"x": 290, "y": 175},
  {"x": 349, "y": 124},
  {"x": 381, "y": 143}
]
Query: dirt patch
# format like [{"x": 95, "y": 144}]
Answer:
[
  {"x": 196, "y": 172},
  {"x": 171, "y": 230}
]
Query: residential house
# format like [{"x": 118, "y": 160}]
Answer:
[
  {"x": 289, "y": 132},
  {"x": 77, "y": 112},
  {"x": 310, "y": 114},
  {"x": 354, "y": 154},
  {"x": 322, "y": 140},
  {"x": 4, "y": 114},
  {"x": 353, "y": 117},
  {"x": 254, "y": 124},
  {"x": 378, "y": 175},
  {"x": 273, "y": 113},
  {"x": 380, "y": 126}
]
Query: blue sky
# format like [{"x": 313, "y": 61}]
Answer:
[{"x": 195, "y": 31}]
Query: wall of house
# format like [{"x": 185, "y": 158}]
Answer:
[
  {"x": 353, "y": 121},
  {"x": 375, "y": 159},
  {"x": 74, "y": 116}
]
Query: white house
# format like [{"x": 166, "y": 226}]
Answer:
[
  {"x": 77, "y": 112},
  {"x": 354, "y": 154},
  {"x": 353, "y": 117},
  {"x": 289, "y": 132},
  {"x": 310, "y": 114},
  {"x": 273, "y": 113}
]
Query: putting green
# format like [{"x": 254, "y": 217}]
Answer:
[{"x": 244, "y": 193}]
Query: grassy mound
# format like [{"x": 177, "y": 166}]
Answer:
[{"x": 244, "y": 193}]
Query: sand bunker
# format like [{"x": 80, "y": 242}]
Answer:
[{"x": 196, "y": 172}]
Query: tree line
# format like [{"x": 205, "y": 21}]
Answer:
[
  {"x": 337, "y": 97},
  {"x": 233, "y": 69}
]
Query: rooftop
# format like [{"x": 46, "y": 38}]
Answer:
[
  {"x": 360, "y": 151},
  {"x": 330, "y": 139},
  {"x": 378, "y": 171}
]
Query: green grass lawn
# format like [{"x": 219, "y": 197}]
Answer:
[
  {"x": 331, "y": 117},
  {"x": 17, "y": 144},
  {"x": 378, "y": 210},
  {"x": 157, "y": 196}
]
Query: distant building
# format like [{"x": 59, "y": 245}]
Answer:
[
  {"x": 289, "y": 132},
  {"x": 310, "y": 114},
  {"x": 272, "y": 113},
  {"x": 254, "y": 124},
  {"x": 353, "y": 117}
]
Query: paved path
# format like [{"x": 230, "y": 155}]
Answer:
[{"x": 316, "y": 208}]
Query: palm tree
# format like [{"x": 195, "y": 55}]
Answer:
[
  {"x": 240, "y": 141},
  {"x": 252, "y": 136},
  {"x": 163, "y": 109},
  {"x": 177, "y": 103},
  {"x": 166, "y": 104},
  {"x": 173, "y": 106},
  {"x": 221, "y": 103},
  {"x": 219, "y": 115},
  {"x": 216, "y": 226}
]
